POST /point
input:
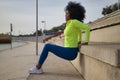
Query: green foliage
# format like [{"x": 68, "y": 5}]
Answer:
[
  {"x": 55, "y": 29},
  {"x": 110, "y": 9},
  {"x": 115, "y": 7},
  {"x": 39, "y": 32}
]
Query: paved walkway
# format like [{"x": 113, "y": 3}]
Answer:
[{"x": 14, "y": 65}]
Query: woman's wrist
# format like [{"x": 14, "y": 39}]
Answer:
[{"x": 84, "y": 43}]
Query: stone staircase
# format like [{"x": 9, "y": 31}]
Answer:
[{"x": 100, "y": 60}]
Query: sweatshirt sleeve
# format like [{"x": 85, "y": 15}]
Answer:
[{"x": 81, "y": 26}]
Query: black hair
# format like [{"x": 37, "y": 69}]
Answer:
[{"x": 76, "y": 10}]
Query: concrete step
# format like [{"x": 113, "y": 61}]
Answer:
[
  {"x": 106, "y": 20},
  {"x": 110, "y": 34},
  {"x": 102, "y": 59},
  {"x": 105, "y": 52}
]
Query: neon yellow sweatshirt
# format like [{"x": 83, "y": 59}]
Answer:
[{"x": 73, "y": 33}]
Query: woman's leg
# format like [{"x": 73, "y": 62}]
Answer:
[{"x": 65, "y": 53}]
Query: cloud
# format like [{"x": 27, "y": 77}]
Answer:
[{"x": 22, "y": 13}]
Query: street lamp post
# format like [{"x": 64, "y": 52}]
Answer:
[{"x": 36, "y": 27}]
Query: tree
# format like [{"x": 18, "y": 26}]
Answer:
[
  {"x": 110, "y": 9},
  {"x": 51, "y": 31},
  {"x": 39, "y": 32},
  {"x": 115, "y": 7}
]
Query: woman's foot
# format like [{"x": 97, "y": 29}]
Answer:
[{"x": 34, "y": 70}]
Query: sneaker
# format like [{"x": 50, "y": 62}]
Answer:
[{"x": 34, "y": 70}]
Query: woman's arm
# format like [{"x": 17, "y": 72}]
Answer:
[{"x": 85, "y": 27}]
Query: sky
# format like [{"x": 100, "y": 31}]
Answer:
[{"x": 22, "y": 13}]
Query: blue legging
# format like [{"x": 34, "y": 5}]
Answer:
[{"x": 63, "y": 52}]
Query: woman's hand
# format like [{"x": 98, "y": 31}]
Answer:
[{"x": 85, "y": 43}]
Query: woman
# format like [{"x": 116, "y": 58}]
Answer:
[{"x": 75, "y": 14}]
